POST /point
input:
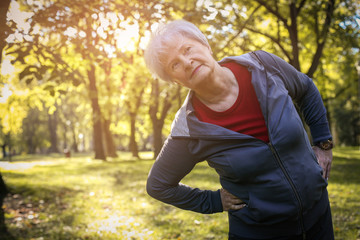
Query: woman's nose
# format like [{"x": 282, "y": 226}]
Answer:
[{"x": 188, "y": 62}]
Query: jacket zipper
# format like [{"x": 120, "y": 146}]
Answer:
[
  {"x": 292, "y": 186},
  {"x": 273, "y": 150}
]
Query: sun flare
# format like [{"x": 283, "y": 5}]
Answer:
[{"x": 127, "y": 36}]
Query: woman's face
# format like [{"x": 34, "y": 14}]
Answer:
[{"x": 188, "y": 62}]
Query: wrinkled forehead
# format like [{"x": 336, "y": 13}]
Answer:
[
  {"x": 170, "y": 41},
  {"x": 167, "y": 45}
]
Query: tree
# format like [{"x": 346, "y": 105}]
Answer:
[
  {"x": 96, "y": 115},
  {"x": 74, "y": 117},
  {"x": 35, "y": 133},
  {"x": 89, "y": 36},
  {"x": 4, "y": 29},
  {"x": 4, "y": 6},
  {"x": 135, "y": 84},
  {"x": 274, "y": 25},
  {"x": 108, "y": 110},
  {"x": 162, "y": 98},
  {"x": 52, "y": 127},
  {"x": 305, "y": 33}
]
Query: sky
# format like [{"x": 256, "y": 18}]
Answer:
[{"x": 19, "y": 17}]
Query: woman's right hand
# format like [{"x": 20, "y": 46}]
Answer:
[{"x": 230, "y": 202}]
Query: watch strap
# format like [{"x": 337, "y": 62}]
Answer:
[{"x": 325, "y": 145}]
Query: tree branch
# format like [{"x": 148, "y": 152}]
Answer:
[
  {"x": 322, "y": 38},
  {"x": 338, "y": 93},
  {"x": 298, "y": 9},
  {"x": 293, "y": 32},
  {"x": 272, "y": 39},
  {"x": 276, "y": 13},
  {"x": 241, "y": 28}
]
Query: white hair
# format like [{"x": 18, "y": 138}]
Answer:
[{"x": 167, "y": 33}]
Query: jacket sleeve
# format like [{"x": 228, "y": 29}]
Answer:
[
  {"x": 304, "y": 93},
  {"x": 173, "y": 163}
]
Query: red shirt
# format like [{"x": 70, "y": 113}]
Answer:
[{"x": 245, "y": 115}]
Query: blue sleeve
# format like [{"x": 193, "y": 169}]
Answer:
[
  {"x": 305, "y": 94},
  {"x": 174, "y": 163}
]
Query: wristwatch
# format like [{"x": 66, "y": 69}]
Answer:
[{"x": 325, "y": 145}]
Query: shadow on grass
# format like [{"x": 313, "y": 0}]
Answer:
[
  {"x": 37, "y": 192},
  {"x": 33, "y": 157},
  {"x": 345, "y": 171},
  {"x": 34, "y": 210}
]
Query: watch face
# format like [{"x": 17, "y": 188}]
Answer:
[{"x": 326, "y": 145}]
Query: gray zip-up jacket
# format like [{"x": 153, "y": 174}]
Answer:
[{"x": 281, "y": 181}]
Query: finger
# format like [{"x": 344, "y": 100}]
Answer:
[
  {"x": 324, "y": 168},
  {"x": 325, "y": 171},
  {"x": 238, "y": 207},
  {"x": 328, "y": 171},
  {"x": 228, "y": 195},
  {"x": 237, "y": 201}
]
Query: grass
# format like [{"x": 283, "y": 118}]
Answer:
[
  {"x": 80, "y": 198},
  {"x": 344, "y": 193}
]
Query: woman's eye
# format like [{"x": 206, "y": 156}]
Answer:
[
  {"x": 175, "y": 65},
  {"x": 187, "y": 49}
]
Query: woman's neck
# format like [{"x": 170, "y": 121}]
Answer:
[{"x": 220, "y": 92}]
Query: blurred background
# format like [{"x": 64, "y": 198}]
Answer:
[{"x": 73, "y": 78}]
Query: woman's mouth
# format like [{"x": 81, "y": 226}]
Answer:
[{"x": 195, "y": 70}]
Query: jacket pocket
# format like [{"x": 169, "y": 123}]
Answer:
[{"x": 264, "y": 211}]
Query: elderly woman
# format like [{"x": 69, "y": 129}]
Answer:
[{"x": 240, "y": 117}]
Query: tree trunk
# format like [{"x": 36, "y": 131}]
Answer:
[
  {"x": 133, "y": 144},
  {"x": 3, "y": 192},
  {"x": 109, "y": 140},
  {"x": 4, "y": 6},
  {"x": 75, "y": 142},
  {"x": 110, "y": 146},
  {"x": 65, "y": 146},
  {"x": 158, "y": 122},
  {"x": 157, "y": 133},
  {"x": 133, "y": 108},
  {"x": 3, "y": 147},
  {"x": 322, "y": 38},
  {"x": 52, "y": 124},
  {"x": 31, "y": 146},
  {"x": 294, "y": 36},
  {"x": 96, "y": 116}
]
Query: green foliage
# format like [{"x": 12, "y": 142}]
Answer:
[
  {"x": 348, "y": 119},
  {"x": 80, "y": 198},
  {"x": 65, "y": 37}
]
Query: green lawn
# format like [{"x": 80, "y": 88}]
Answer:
[{"x": 80, "y": 198}]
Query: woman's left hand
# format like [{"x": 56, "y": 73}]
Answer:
[{"x": 324, "y": 158}]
